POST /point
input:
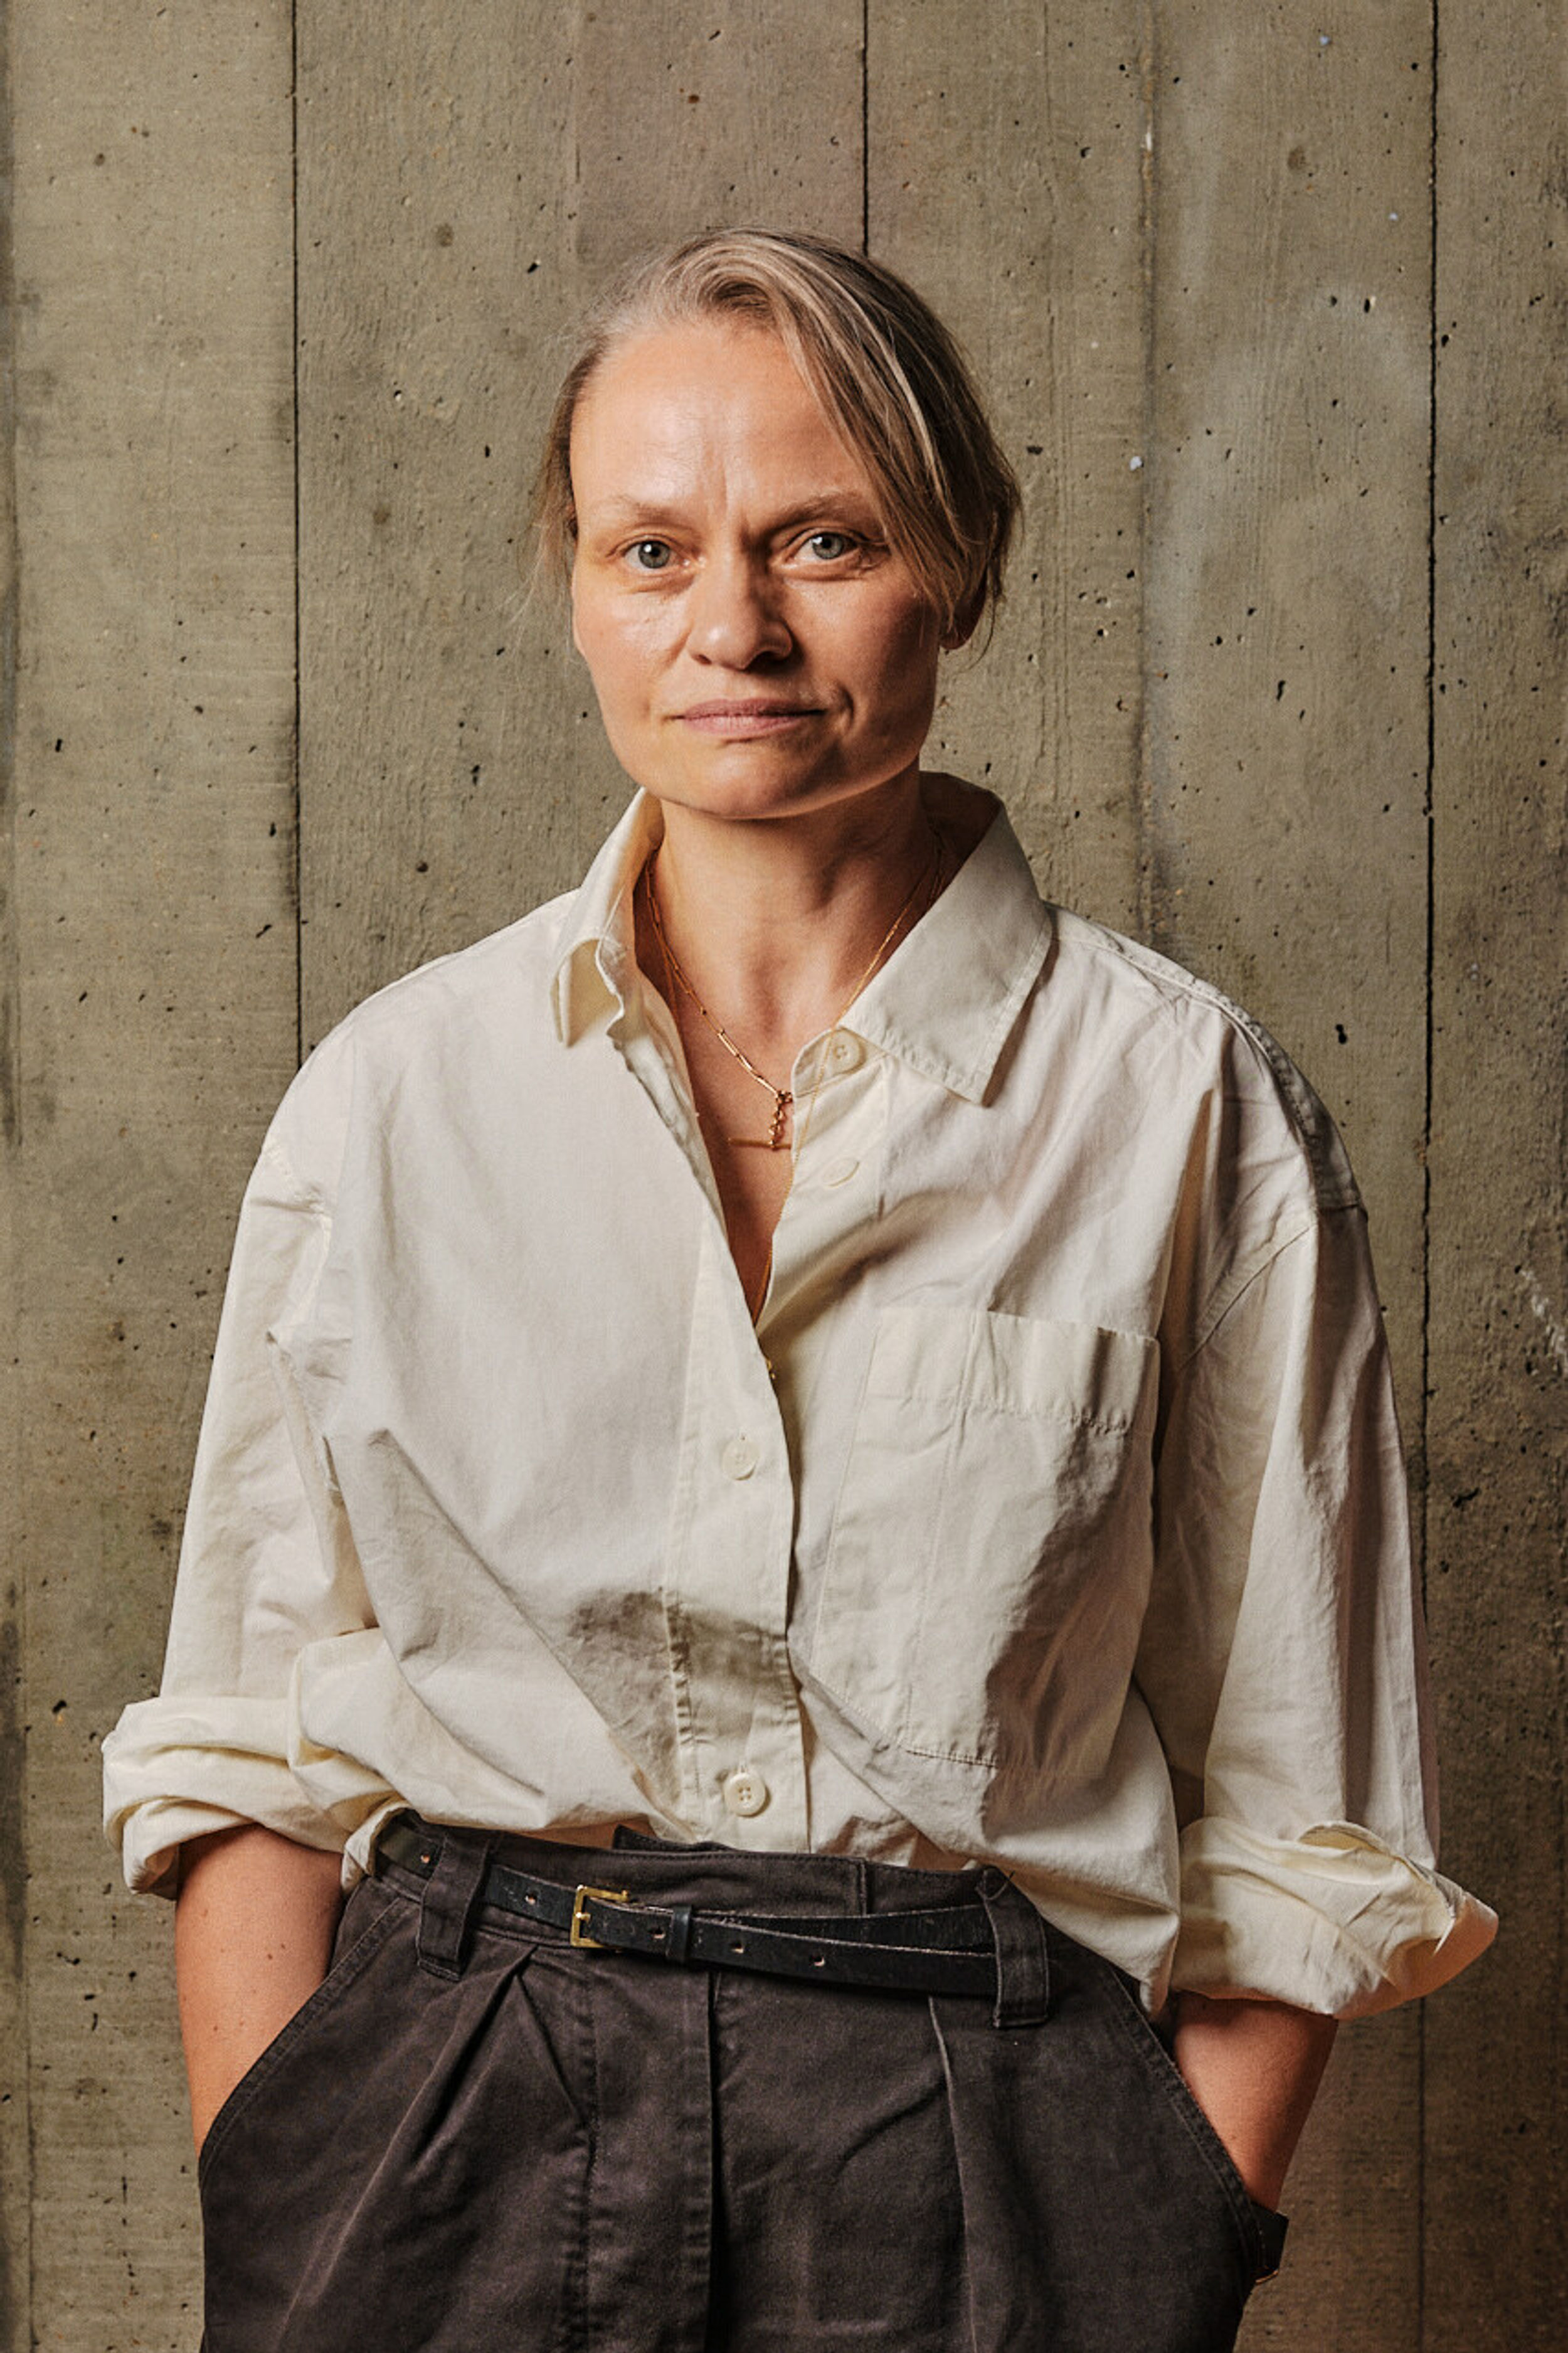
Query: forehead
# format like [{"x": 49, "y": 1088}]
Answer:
[{"x": 700, "y": 403}]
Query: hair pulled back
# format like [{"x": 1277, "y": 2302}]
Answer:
[{"x": 889, "y": 377}]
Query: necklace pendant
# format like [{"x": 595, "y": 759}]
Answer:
[{"x": 775, "y": 1139}]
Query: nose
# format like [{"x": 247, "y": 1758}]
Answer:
[{"x": 735, "y": 617}]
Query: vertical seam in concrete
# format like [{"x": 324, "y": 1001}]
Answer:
[
  {"x": 297, "y": 812},
  {"x": 865, "y": 126},
  {"x": 1429, "y": 801},
  {"x": 1429, "y": 813},
  {"x": 15, "y": 2295},
  {"x": 10, "y": 571},
  {"x": 1144, "y": 783}
]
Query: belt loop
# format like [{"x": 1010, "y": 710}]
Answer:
[
  {"x": 1023, "y": 1971},
  {"x": 452, "y": 1896},
  {"x": 679, "y": 1942}
]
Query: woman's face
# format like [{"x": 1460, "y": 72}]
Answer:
[{"x": 757, "y": 648}]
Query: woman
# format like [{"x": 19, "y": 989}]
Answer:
[{"x": 853, "y": 1388}]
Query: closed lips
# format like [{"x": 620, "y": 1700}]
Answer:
[{"x": 749, "y": 711}]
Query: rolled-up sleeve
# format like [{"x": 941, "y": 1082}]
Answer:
[
  {"x": 1282, "y": 1655},
  {"x": 266, "y": 1566}
]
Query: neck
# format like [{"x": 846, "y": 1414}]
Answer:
[{"x": 774, "y": 922}]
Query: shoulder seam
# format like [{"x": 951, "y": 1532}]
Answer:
[{"x": 1334, "y": 1186}]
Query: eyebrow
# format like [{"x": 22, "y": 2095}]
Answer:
[{"x": 614, "y": 512}]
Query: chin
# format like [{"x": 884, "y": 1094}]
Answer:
[
  {"x": 738, "y": 788},
  {"x": 750, "y": 789}
]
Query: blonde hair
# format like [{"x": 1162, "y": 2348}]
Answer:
[{"x": 890, "y": 379}]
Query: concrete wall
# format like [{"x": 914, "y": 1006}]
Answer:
[{"x": 1270, "y": 303}]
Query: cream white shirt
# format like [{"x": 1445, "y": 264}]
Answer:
[{"x": 1053, "y": 1515}]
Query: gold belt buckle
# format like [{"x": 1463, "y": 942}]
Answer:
[{"x": 581, "y": 1900}]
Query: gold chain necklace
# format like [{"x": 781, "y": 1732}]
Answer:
[{"x": 675, "y": 974}]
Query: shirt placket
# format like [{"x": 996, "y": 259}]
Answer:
[
  {"x": 841, "y": 1124},
  {"x": 730, "y": 1575},
  {"x": 730, "y": 1534},
  {"x": 727, "y": 1577}
]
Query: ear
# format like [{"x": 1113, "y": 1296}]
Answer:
[
  {"x": 965, "y": 621},
  {"x": 572, "y": 594}
]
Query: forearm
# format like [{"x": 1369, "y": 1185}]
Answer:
[
  {"x": 1254, "y": 2068},
  {"x": 253, "y": 1935}
]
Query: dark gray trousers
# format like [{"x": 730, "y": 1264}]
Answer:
[{"x": 474, "y": 2138}]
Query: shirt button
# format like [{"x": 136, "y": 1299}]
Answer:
[
  {"x": 842, "y": 1052},
  {"x": 745, "y": 1792},
  {"x": 740, "y": 1458},
  {"x": 839, "y": 1172}
]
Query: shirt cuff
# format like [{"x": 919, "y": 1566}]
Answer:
[
  {"x": 175, "y": 1769},
  {"x": 1335, "y": 1921}
]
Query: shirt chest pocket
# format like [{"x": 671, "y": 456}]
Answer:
[{"x": 989, "y": 1557}]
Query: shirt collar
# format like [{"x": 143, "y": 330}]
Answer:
[
  {"x": 595, "y": 973},
  {"x": 944, "y": 1003},
  {"x": 946, "y": 1000}
]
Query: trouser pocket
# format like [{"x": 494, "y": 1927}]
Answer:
[
  {"x": 364, "y": 2183},
  {"x": 1096, "y": 2193},
  {"x": 369, "y": 1917},
  {"x": 1262, "y": 2229}
]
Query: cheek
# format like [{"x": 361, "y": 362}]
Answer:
[
  {"x": 898, "y": 664},
  {"x": 620, "y": 650}
]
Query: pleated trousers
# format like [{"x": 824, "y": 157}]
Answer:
[{"x": 522, "y": 2147}]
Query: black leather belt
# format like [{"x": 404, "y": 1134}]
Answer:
[{"x": 950, "y": 1950}]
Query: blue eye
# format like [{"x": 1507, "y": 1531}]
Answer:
[
  {"x": 650, "y": 554},
  {"x": 830, "y": 545}
]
